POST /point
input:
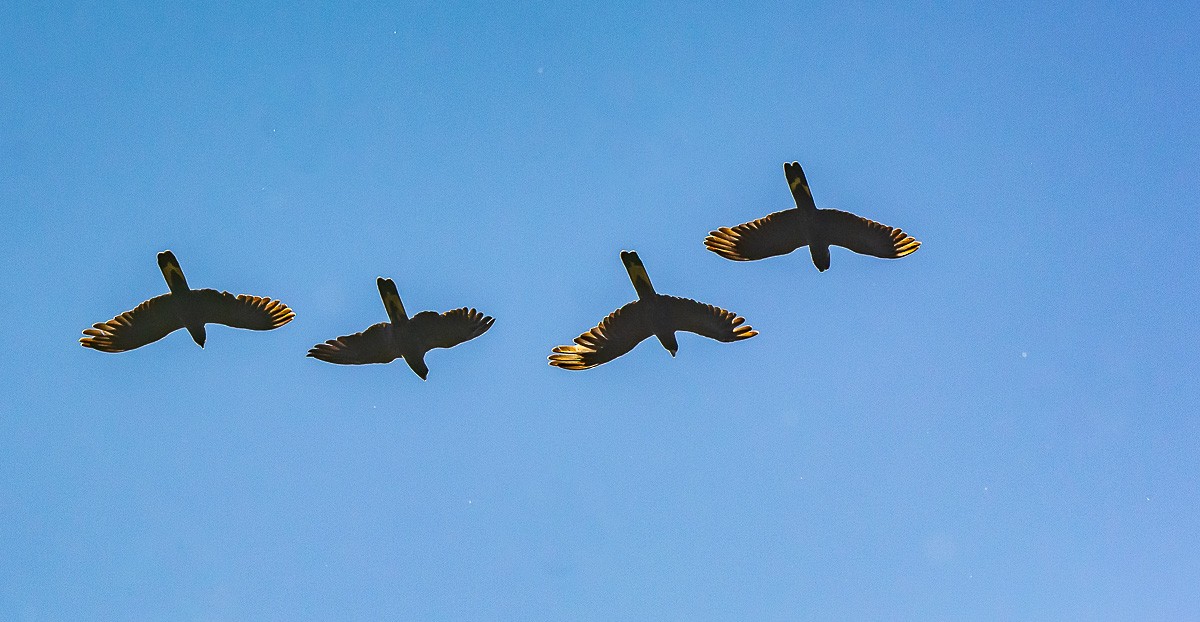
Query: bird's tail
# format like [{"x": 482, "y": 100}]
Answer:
[
  {"x": 637, "y": 274},
  {"x": 799, "y": 185},
  {"x": 391, "y": 301},
  {"x": 172, "y": 272}
]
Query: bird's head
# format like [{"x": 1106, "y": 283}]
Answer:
[{"x": 198, "y": 334}]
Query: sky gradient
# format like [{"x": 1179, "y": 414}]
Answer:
[{"x": 999, "y": 426}]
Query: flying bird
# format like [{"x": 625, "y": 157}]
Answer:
[
  {"x": 651, "y": 314},
  {"x": 403, "y": 336},
  {"x": 783, "y": 232},
  {"x": 183, "y": 308}
]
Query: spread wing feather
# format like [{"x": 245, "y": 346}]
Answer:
[
  {"x": 429, "y": 329},
  {"x": 774, "y": 234},
  {"x": 864, "y": 236},
  {"x": 369, "y": 346},
  {"x": 615, "y": 335},
  {"x": 241, "y": 311},
  {"x": 705, "y": 319},
  {"x": 148, "y": 322}
]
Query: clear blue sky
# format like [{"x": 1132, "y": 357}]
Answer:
[{"x": 1000, "y": 426}]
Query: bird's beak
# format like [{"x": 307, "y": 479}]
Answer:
[{"x": 672, "y": 353}]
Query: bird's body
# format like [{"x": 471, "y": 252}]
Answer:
[
  {"x": 656, "y": 306},
  {"x": 661, "y": 324},
  {"x": 651, "y": 314},
  {"x": 184, "y": 303},
  {"x": 185, "y": 308},
  {"x": 402, "y": 336},
  {"x": 782, "y": 232}
]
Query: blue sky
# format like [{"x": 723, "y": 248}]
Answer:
[{"x": 1000, "y": 426}]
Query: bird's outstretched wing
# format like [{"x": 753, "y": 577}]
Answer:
[
  {"x": 774, "y": 234},
  {"x": 369, "y": 346},
  {"x": 429, "y": 329},
  {"x": 241, "y": 311},
  {"x": 864, "y": 236},
  {"x": 615, "y": 335},
  {"x": 705, "y": 319},
  {"x": 148, "y": 322}
]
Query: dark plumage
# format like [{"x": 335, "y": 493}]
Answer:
[
  {"x": 403, "y": 336},
  {"x": 783, "y": 232},
  {"x": 651, "y": 314},
  {"x": 183, "y": 308}
]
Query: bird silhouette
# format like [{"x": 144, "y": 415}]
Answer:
[
  {"x": 651, "y": 314},
  {"x": 403, "y": 336},
  {"x": 183, "y": 308},
  {"x": 783, "y": 232}
]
